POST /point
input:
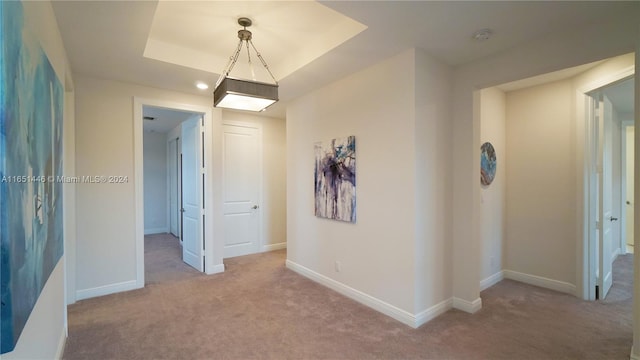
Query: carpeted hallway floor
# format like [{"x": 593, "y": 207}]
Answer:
[{"x": 258, "y": 309}]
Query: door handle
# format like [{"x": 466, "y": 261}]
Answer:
[
  {"x": 613, "y": 218},
  {"x": 254, "y": 207}
]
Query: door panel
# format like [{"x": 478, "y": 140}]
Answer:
[
  {"x": 241, "y": 189},
  {"x": 174, "y": 208},
  {"x": 605, "y": 190},
  {"x": 192, "y": 248}
]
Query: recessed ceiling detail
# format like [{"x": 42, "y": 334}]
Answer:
[{"x": 202, "y": 34}]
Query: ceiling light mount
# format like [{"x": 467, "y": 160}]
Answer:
[
  {"x": 482, "y": 34},
  {"x": 244, "y": 34},
  {"x": 244, "y": 94}
]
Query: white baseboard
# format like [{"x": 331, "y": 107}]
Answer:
[
  {"x": 491, "y": 280},
  {"x": 156, "y": 231},
  {"x": 556, "y": 285},
  {"x": 431, "y": 313},
  {"x": 467, "y": 306},
  {"x": 403, "y": 316},
  {"x": 272, "y": 247},
  {"x": 216, "y": 269},
  {"x": 107, "y": 289},
  {"x": 61, "y": 344}
]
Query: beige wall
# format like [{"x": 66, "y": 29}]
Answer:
[
  {"x": 433, "y": 216},
  {"x": 155, "y": 183},
  {"x": 397, "y": 252},
  {"x": 609, "y": 37},
  {"x": 376, "y": 253},
  {"x": 542, "y": 196},
  {"x": 541, "y": 214},
  {"x": 493, "y": 197},
  {"x": 106, "y": 258}
]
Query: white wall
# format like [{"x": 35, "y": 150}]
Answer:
[
  {"x": 106, "y": 257},
  {"x": 544, "y": 174},
  {"x": 433, "y": 217},
  {"x": 45, "y": 331},
  {"x": 155, "y": 183},
  {"x": 377, "y": 253},
  {"x": 609, "y": 37},
  {"x": 106, "y": 250},
  {"x": 274, "y": 180},
  {"x": 493, "y": 197},
  {"x": 395, "y": 257},
  {"x": 541, "y": 179}
]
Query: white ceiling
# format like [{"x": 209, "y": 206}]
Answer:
[
  {"x": 164, "y": 120},
  {"x": 107, "y": 39}
]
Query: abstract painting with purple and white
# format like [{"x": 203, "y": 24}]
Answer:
[{"x": 335, "y": 179}]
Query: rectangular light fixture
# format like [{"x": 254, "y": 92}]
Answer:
[{"x": 244, "y": 95}]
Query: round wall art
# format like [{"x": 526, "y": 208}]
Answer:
[{"x": 487, "y": 163}]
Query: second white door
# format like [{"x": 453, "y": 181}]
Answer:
[
  {"x": 241, "y": 189},
  {"x": 192, "y": 209}
]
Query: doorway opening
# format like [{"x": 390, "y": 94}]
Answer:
[
  {"x": 201, "y": 133},
  {"x": 164, "y": 152}
]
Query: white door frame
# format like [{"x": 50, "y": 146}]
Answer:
[
  {"x": 586, "y": 259},
  {"x": 138, "y": 104},
  {"x": 623, "y": 176}
]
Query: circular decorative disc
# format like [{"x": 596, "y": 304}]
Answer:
[{"x": 487, "y": 163}]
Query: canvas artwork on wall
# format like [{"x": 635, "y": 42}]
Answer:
[
  {"x": 487, "y": 164},
  {"x": 31, "y": 239},
  {"x": 335, "y": 179}
]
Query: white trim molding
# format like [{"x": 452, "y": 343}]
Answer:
[
  {"x": 62, "y": 343},
  {"x": 403, "y": 316},
  {"x": 156, "y": 231},
  {"x": 433, "y": 312},
  {"x": 633, "y": 356},
  {"x": 216, "y": 269},
  {"x": 107, "y": 289},
  {"x": 491, "y": 280},
  {"x": 467, "y": 306},
  {"x": 272, "y": 247},
  {"x": 540, "y": 281}
]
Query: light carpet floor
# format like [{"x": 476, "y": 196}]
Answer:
[{"x": 258, "y": 309}]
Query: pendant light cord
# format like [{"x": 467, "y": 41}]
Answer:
[{"x": 234, "y": 58}]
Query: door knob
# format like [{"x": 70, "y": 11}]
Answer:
[
  {"x": 613, "y": 219},
  {"x": 254, "y": 207}
]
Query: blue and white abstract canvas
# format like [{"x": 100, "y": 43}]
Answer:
[
  {"x": 487, "y": 164},
  {"x": 335, "y": 179},
  {"x": 31, "y": 113}
]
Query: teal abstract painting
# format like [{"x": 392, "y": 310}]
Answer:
[
  {"x": 487, "y": 164},
  {"x": 31, "y": 114}
]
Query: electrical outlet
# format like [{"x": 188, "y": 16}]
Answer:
[{"x": 338, "y": 266}]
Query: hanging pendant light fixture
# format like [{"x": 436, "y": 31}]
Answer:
[{"x": 240, "y": 94}]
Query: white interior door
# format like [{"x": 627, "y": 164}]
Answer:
[
  {"x": 241, "y": 189},
  {"x": 192, "y": 211},
  {"x": 174, "y": 206},
  {"x": 605, "y": 195}
]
